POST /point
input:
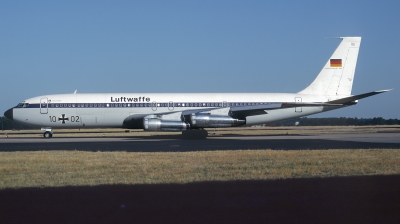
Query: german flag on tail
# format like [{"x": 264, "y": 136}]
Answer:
[{"x": 337, "y": 63}]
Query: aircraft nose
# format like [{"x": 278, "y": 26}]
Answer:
[{"x": 9, "y": 114}]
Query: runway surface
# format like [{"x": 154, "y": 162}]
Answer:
[{"x": 174, "y": 143}]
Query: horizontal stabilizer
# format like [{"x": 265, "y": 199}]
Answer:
[{"x": 351, "y": 99}]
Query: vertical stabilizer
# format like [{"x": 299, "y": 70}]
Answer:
[{"x": 336, "y": 77}]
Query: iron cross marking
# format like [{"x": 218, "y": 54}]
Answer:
[{"x": 63, "y": 118}]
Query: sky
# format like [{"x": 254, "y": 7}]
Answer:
[{"x": 54, "y": 47}]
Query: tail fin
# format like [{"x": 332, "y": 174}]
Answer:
[{"x": 336, "y": 77}]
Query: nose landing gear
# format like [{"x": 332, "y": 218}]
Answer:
[{"x": 47, "y": 132}]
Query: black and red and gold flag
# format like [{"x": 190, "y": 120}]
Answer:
[{"x": 336, "y": 63}]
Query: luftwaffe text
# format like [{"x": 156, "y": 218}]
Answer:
[{"x": 130, "y": 99}]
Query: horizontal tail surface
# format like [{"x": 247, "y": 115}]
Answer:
[{"x": 351, "y": 99}]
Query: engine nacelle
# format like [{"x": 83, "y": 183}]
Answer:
[
  {"x": 155, "y": 124},
  {"x": 202, "y": 120}
]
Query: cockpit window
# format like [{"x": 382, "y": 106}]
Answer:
[{"x": 21, "y": 105}]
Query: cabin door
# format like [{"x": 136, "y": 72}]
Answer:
[
  {"x": 298, "y": 109},
  {"x": 171, "y": 106},
  {"x": 44, "y": 106},
  {"x": 154, "y": 106}
]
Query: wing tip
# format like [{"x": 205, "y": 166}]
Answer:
[{"x": 384, "y": 90}]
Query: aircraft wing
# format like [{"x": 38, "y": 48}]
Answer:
[
  {"x": 244, "y": 111},
  {"x": 251, "y": 110},
  {"x": 240, "y": 111}
]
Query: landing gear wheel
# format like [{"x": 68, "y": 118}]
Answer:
[
  {"x": 195, "y": 134},
  {"x": 47, "y": 134}
]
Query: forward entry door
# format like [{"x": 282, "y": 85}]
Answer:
[{"x": 44, "y": 106}]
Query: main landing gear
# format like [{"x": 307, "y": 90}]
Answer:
[
  {"x": 194, "y": 134},
  {"x": 48, "y": 133}
]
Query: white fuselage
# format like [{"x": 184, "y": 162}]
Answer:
[{"x": 110, "y": 110}]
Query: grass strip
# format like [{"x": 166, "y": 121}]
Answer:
[{"x": 79, "y": 168}]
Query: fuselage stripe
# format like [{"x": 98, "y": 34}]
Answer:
[{"x": 154, "y": 104}]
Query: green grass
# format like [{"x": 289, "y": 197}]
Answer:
[{"x": 78, "y": 168}]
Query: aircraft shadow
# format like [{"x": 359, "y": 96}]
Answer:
[{"x": 366, "y": 199}]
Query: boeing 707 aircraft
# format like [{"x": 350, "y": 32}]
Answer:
[{"x": 188, "y": 112}]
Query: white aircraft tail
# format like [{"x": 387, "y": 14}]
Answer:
[{"x": 336, "y": 77}]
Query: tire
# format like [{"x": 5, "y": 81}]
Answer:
[
  {"x": 194, "y": 134},
  {"x": 47, "y": 134}
]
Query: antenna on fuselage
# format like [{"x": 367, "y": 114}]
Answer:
[{"x": 75, "y": 91}]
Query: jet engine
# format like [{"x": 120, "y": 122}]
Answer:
[
  {"x": 203, "y": 120},
  {"x": 155, "y": 124}
]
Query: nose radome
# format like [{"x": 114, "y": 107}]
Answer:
[{"x": 9, "y": 114}]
